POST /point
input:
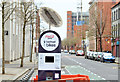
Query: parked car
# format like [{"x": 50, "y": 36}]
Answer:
[
  {"x": 107, "y": 57},
  {"x": 72, "y": 52},
  {"x": 87, "y": 55},
  {"x": 94, "y": 55},
  {"x": 99, "y": 54},
  {"x": 90, "y": 55},
  {"x": 65, "y": 51},
  {"x": 79, "y": 53},
  {"x": 62, "y": 50}
]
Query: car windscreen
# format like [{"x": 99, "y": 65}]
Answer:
[
  {"x": 107, "y": 55},
  {"x": 80, "y": 51}
]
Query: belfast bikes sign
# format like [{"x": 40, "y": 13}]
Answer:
[
  {"x": 49, "y": 60},
  {"x": 49, "y": 41}
]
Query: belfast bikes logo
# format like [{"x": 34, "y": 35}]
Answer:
[{"x": 49, "y": 41}]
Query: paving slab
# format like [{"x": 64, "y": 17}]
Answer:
[{"x": 13, "y": 70}]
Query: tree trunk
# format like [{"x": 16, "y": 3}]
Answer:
[
  {"x": 23, "y": 45},
  {"x": 100, "y": 43},
  {"x": 96, "y": 39},
  {"x": 3, "y": 54},
  {"x": 32, "y": 43}
]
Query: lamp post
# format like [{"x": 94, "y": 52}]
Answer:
[{"x": 82, "y": 37}]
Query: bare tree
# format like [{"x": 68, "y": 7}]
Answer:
[
  {"x": 6, "y": 13},
  {"x": 99, "y": 22},
  {"x": 27, "y": 14},
  {"x": 69, "y": 42}
]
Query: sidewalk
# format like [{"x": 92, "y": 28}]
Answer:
[{"x": 13, "y": 70}]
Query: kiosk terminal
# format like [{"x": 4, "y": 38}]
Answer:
[{"x": 49, "y": 53}]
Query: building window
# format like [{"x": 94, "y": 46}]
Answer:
[
  {"x": 119, "y": 13},
  {"x": 116, "y": 14},
  {"x": 113, "y": 1},
  {"x": 114, "y": 31},
  {"x": 68, "y": 14},
  {"x": 112, "y": 16},
  {"x": 118, "y": 30},
  {"x": 68, "y": 26},
  {"x": 68, "y": 18},
  {"x": 68, "y": 22}
]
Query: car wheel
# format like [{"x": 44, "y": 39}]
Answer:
[
  {"x": 100, "y": 60},
  {"x": 95, "y": 59},
  {"x": 103, "y": 60},
  {"x": 113, "y": 61}
]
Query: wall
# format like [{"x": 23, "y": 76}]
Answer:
[
  {"x": 69, "y": 24},
  {"x": 0, "y": 33},
  {"x": 91, "y": 32}
]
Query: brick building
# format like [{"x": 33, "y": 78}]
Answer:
[
  {"x": 100, "y": 25},
  {"x": 69, "y": 24},
  {"x": 75, "y": 30},
  {"x": 72, "y": 19},
  {"x": 80, "y": 33}
]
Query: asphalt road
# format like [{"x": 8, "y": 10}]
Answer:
[{"x": 94, "y": 69}]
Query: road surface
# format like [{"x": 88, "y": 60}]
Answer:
[{"x": 94, "y": 69}]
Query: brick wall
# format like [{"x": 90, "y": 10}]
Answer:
[
  {"x": 69, "y": 24},
  {"x": 105, "y": 9}
]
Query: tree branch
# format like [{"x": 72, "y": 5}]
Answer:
[
  {"x": 10, "y": 14},
  {"x": 10, "y": 4}
]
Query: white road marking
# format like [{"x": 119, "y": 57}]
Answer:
[
  {"x": 94, "y": 74},
  {"x": 68, "y": 71},
  {"x": 83, "y": 68},
  {"x": 103, "y": 78},
  {"x": 99, "y": 76},
  {"x": 62, "y": 72},
  {"x": 91, "y": 72}
]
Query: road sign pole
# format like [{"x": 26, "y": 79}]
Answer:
[{"x": 49, "y": 26}]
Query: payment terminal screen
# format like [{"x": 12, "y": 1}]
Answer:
[{"x": 49, "y": 59}]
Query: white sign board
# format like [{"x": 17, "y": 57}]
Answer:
[
  {"x": 49, "y": 61},
  {"x": 49, "y": 41}
]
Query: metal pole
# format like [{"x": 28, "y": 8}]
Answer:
[
  {"x": 81, "y": 27},
  {"x": 49, "y": 26},
  {"x": 100, "y": 20},
  {"x": 30, "y": 42}
]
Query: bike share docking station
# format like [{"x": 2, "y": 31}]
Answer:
[{"x": 49, "y": 53}]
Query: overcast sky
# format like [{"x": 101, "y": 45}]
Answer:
[{"x": 61, "y": 7}]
